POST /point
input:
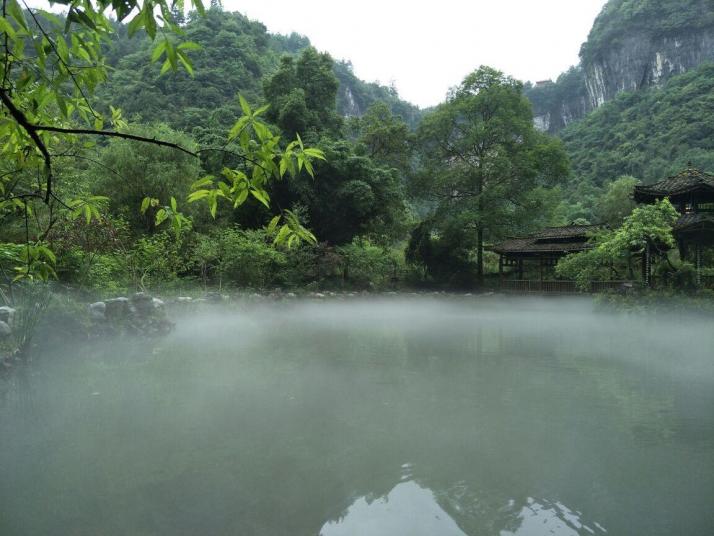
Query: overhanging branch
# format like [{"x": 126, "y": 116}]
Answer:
[
  {"x": 112, "y": 134},
  {"x": 32, "y": 132}
]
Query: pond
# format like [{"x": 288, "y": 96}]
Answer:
[{"x": 394, "y": 416}]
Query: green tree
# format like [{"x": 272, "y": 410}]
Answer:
[
  {"x": 128, "y": 172},
  {"x": 482, "y": 155},
  {"x": 386, "y": 137},
  {"x": 302, "y": 94},
  {"x": 351, "y": 196},
  {"x": 616, "y": 202}
]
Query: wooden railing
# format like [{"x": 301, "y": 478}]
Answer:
[
  {"x": 561, "y": 287},
  {"x": 707, "y": 281}
]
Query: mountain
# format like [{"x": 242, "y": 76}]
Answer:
[
  {"x": 236, "y": 55},
  {"x": 355, "y": 96},
  {"x": 633, "y": 45},
  {"x": 647, "y": 134}
]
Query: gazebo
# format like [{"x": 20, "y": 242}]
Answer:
[
  {"x": 543, "y": 248},
  {"x": 691, "y": 191}
]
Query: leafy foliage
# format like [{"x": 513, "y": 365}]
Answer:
[
  {"x": 616, "y": 202},
  {"x": 243, "y": 258},
  {"x": 127, "y": 173},
  {"x": 43, "y": 96},
  {"x": 648, "y": 226},
  {"x": 368, "y": 265},
  {"x": 351, "y": 196},
  {"x": 302, "y": 94}
]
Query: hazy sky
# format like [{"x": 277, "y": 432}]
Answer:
[{"x": 427, "y": 47}]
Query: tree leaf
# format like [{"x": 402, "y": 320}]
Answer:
[
  {"x": 161, "y": 216},
  {"x": 244, "y": 105}
]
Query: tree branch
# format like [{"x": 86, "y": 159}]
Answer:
[
  {"x": 112, "y": 134},
  {"x": 32, "y": 132},
  {"x": 233, "y": 153}
]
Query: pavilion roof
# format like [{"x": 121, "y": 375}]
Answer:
[
  {"x": 693, "y": 220},
  {"x": 684, "y": 182},
  {"x": 566, "y": 231},
  {"x": 551, "y": 240}
]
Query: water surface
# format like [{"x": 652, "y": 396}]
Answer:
[{"x": 382, "y": 417}]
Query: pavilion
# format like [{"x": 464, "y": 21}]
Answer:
[
  {"x": 691, "y": 192},
  {"x": 544, "y": 248}
]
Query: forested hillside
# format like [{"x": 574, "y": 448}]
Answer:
[
  {"x": 235, "y": 56},
  {"x": 647, "y": 134},
  {"x": 638, "y": 105},
  {"x": 633, "y": 45}
]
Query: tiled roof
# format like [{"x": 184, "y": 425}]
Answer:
[
  {"x": 529, "y": 245},
  {"x": 568, "y": 231},
  {"x": 557, "y": 240},
  {"x": 692, "y": 219},
  {"x": 683, "y": 182}
]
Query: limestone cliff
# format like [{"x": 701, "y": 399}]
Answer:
[
  {"x": 640, "y": 61},
  {"x": 633, "y": 45}
]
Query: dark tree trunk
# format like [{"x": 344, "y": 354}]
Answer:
[
  {"x": 479, "y": 233},
  {"x": 479, "y": 256}
]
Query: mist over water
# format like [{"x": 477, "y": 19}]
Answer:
[{"x": 391, "y": 416}]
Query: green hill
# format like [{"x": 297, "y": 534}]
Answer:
[
  {"x": 648, "y": 134},
  {"x": 235, "y": 57}
]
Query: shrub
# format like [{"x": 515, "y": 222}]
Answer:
[
  {"x": 368, "y": 265},
  {"x": 244, "y": 258}
]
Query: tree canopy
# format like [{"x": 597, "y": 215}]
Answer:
[
  {"x": 47, "y": 110},
  {"x": 483, "y": 157}
]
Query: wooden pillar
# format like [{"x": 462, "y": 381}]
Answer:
[
  {"x": 698, "y": 263},
  {"x": 683, "y": 250},
  {"x": 500, "y": 267},
  {"x": 520, "y": 268},
  {"x": 646, "y": 266},
  {"x": 540, "y": 267}
]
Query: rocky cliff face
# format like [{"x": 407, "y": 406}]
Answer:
[
  {"x": 641, "y": 61},
  {"x": 560, "y": 114},
  {"x": 556, "y": 104},
  {"x": 346, "y": 103},
  {"x": 627, "y": 55},
  {"x": 355, "y": 96}
]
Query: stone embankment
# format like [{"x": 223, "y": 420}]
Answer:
[
  {"x": 140, "y": 314},
  {"x": 7, "y": 315}
]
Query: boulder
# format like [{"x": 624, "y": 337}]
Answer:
[
  {"x": 97, "y": 310},
  {"x": 214, "y": 297},
  {"x": 7, "y": 314},
  {"x": 184, "y": 299},
  {"x": 158, "y": 304},
  {"x": 116, "y": 309},
  {"x": 5, "y": 330},
  {"x": 142, "y": 304}
]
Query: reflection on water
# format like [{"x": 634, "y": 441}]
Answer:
[
  {"x": 410, "y": 509},
  {"x": 406, "y": 509},
  {"x": 545, "y": 518},
  {"x": 476, "y": 417}
]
